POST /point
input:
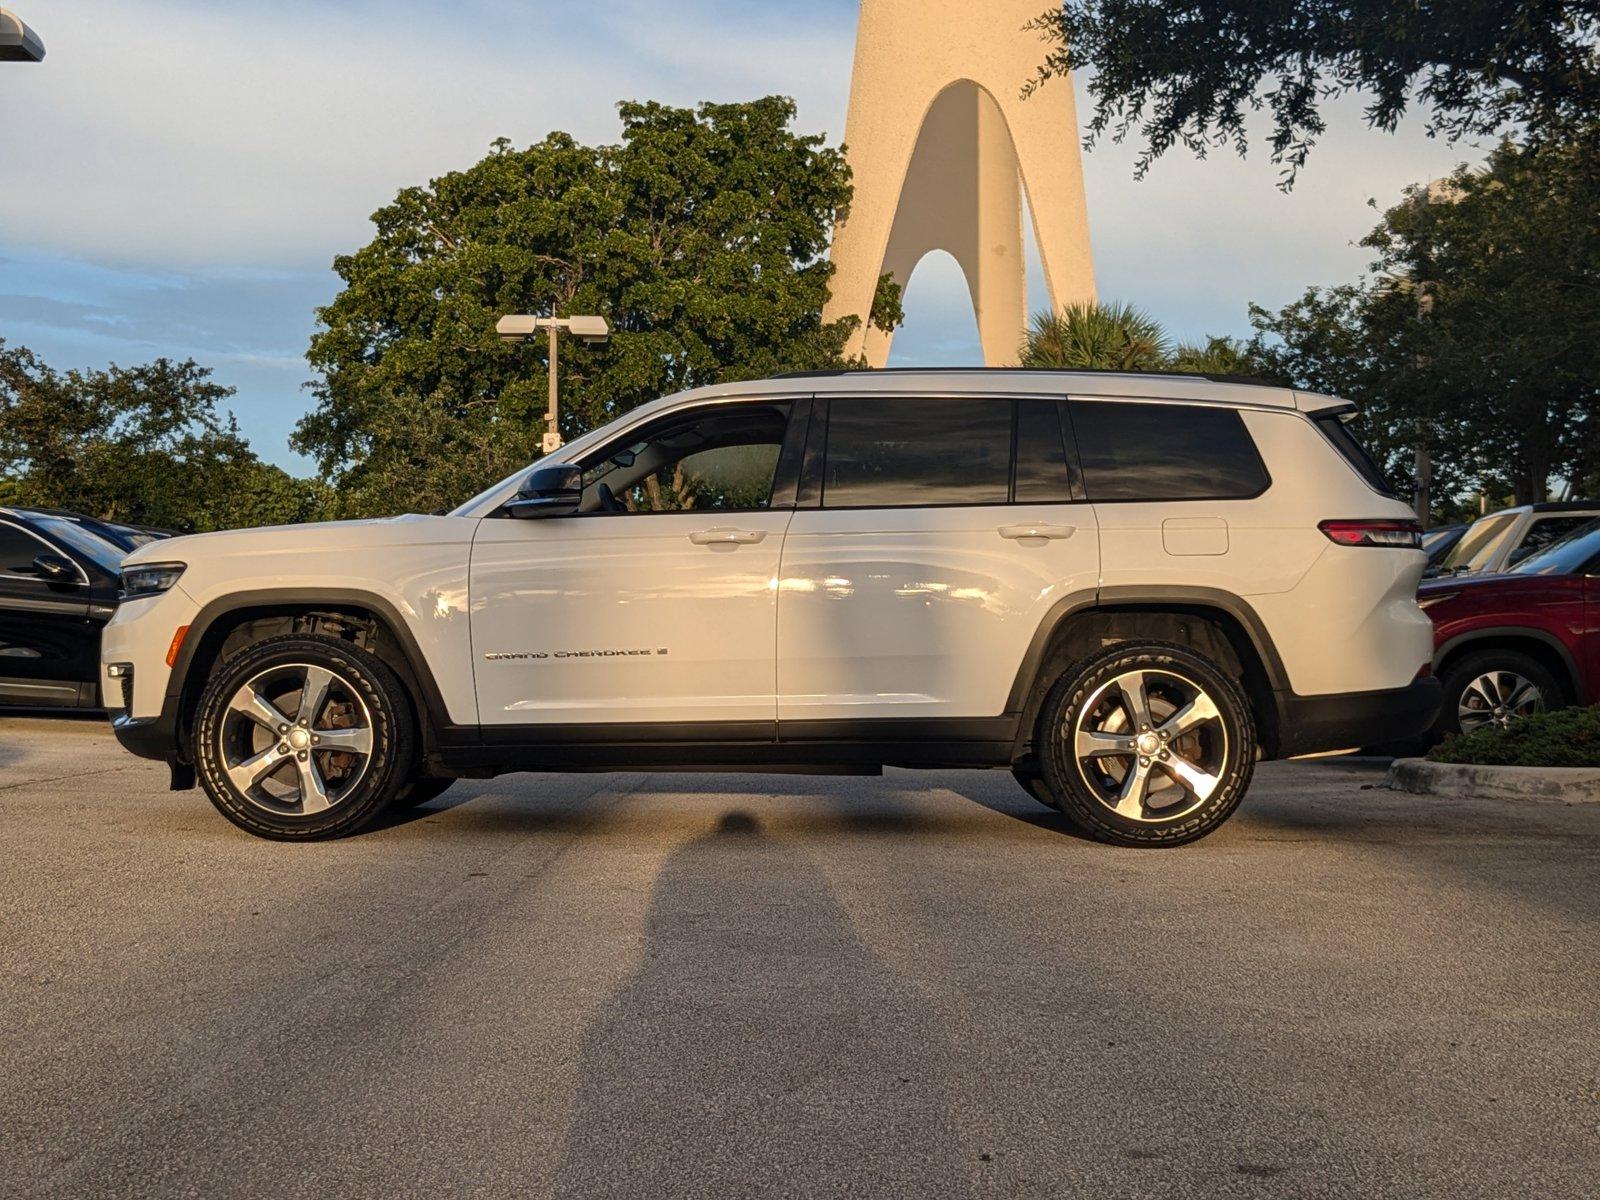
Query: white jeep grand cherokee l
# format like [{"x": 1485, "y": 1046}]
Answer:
[{"x": 1123, "y": 588}]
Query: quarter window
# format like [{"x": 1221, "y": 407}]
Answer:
[
  {"x": 1165, "y": 452},
  {"x": 917, "y": 452},
  {"x": 1337, "y": 430}
]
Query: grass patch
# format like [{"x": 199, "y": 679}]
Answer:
[{"x": 1568, "y": 737}]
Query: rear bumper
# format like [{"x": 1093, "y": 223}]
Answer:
[{"x": 1314, "y": 724}]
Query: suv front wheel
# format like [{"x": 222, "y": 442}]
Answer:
[
  {"x": 303, "y": 737},
  {"x": 1494, "y": 687},
  {"x": 1147, "y": 744}
]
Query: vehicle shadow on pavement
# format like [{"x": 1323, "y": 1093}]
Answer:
[
  {"x": 761, "y": 1048},
  {"x": 396, "y": 818},
  {"x": 1021, "y": 807}
]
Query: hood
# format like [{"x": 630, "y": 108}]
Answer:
[
  {"x": 1463, "y": 583},
  {"x": 411, "y": 529},
  {"x": 1491, "y": 591}
]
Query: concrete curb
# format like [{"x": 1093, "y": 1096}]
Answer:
[{"x": 1554, "y": 785}]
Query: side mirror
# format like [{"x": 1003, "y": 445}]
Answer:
[
  {"x": 55, "y": 568},
  {"x": 548, "y": 492}
]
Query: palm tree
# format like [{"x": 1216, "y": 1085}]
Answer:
[
  {"x": 1096, "y": 337},
  {"x": 1219, "y": 356}
]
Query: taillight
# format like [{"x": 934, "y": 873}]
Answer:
[{"x": 1398, "y": 535}]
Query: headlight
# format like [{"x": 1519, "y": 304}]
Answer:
[{"x": 149, "y": 579}]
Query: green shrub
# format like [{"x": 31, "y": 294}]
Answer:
[{"x": 1569, "y": 737}]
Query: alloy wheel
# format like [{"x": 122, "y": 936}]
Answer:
[
  {"x": 1497, "y": 698},
  {"x": 1150, "y": 744},
  {"x": 296, "y": 739}
]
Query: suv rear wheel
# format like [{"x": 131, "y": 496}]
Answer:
[
  {"x": 303, "y": 737},
  {"x": 1147, "y": 744}
]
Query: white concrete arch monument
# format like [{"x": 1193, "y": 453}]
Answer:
[{"x": 942, "y": 146}]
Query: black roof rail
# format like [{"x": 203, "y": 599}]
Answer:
[
  {"x": 837, "y": 372},
  {"x": 1558, "y": 506}
]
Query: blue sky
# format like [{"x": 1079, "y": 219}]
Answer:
[{"x": 177, "y": 176}]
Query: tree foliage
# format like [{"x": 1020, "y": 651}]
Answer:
[
  {"x": 144, "y": 445},
  {"x": 700, "y": 236},
  {"x": 1478, "y": 333},
  {"x": 1190, "y": 72}
]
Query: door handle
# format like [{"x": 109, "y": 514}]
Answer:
[
  {"x": 1026, "y": 533},
  {"x": 728, "y": 537}
]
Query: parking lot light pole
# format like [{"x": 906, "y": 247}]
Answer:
[
  {"x": 18, "y": 43},
  {"x": 590, "y": 330}
]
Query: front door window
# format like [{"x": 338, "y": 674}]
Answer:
[{"x": 723, "y": 460}]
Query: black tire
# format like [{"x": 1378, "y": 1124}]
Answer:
[
  {"x": 420, "y": 789},
  {"x": 1216, "y": 753},
  {"x": 336, "y": 791},
  {"x": 1467, "y": 670},
  {"x": 1034, "y": 784}
]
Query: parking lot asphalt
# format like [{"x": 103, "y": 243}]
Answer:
[{"x": 728, "y": 985}]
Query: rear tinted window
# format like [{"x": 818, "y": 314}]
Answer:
[
  {"x": 913, "y": 451},
  {"x": 1336, "y": 431},
  {"x": 1165, "y": 452}
]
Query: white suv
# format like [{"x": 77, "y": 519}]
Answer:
[{"x": 1123, "y": 588}]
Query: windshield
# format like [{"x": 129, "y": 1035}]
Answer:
[
  {"x": 96, "y": 549},
  {"x": 1477, "y": 546},
  {"x": 1579, "y": 551}
]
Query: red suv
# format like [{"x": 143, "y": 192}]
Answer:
[{"x": 1511, "y": 644}]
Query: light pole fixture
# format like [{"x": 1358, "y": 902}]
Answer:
[
  {"x": 592, "y": 331},
  {"x": 18, "y": 43}
]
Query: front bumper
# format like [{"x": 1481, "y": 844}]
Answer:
[
  {"x": 148, "y": 737},
  {"x": 1316, "y": 724}
]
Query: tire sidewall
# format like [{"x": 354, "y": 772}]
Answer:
[
  {"x": 419, "y": 790},
  {"x": 1034, "y": 783},
  {"x": 386, "y": 703},
  {"x": 1080, "y": 682}
]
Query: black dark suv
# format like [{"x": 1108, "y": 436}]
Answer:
[{"x": 59, "y": 579}]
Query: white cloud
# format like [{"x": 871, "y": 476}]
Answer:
[{"x": 171, "y": 133}]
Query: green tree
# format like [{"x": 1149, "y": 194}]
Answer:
[
  {"x": 145, "y": 445},
  {"x": 1096, "y": 337},
  {"x": 1189, "y": 72},
  {"x": 1477, "y": 336},
  {"x": 701, "y": 237}
]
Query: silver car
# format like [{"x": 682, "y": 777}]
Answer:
[{"x": 1501, "y": 540}]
